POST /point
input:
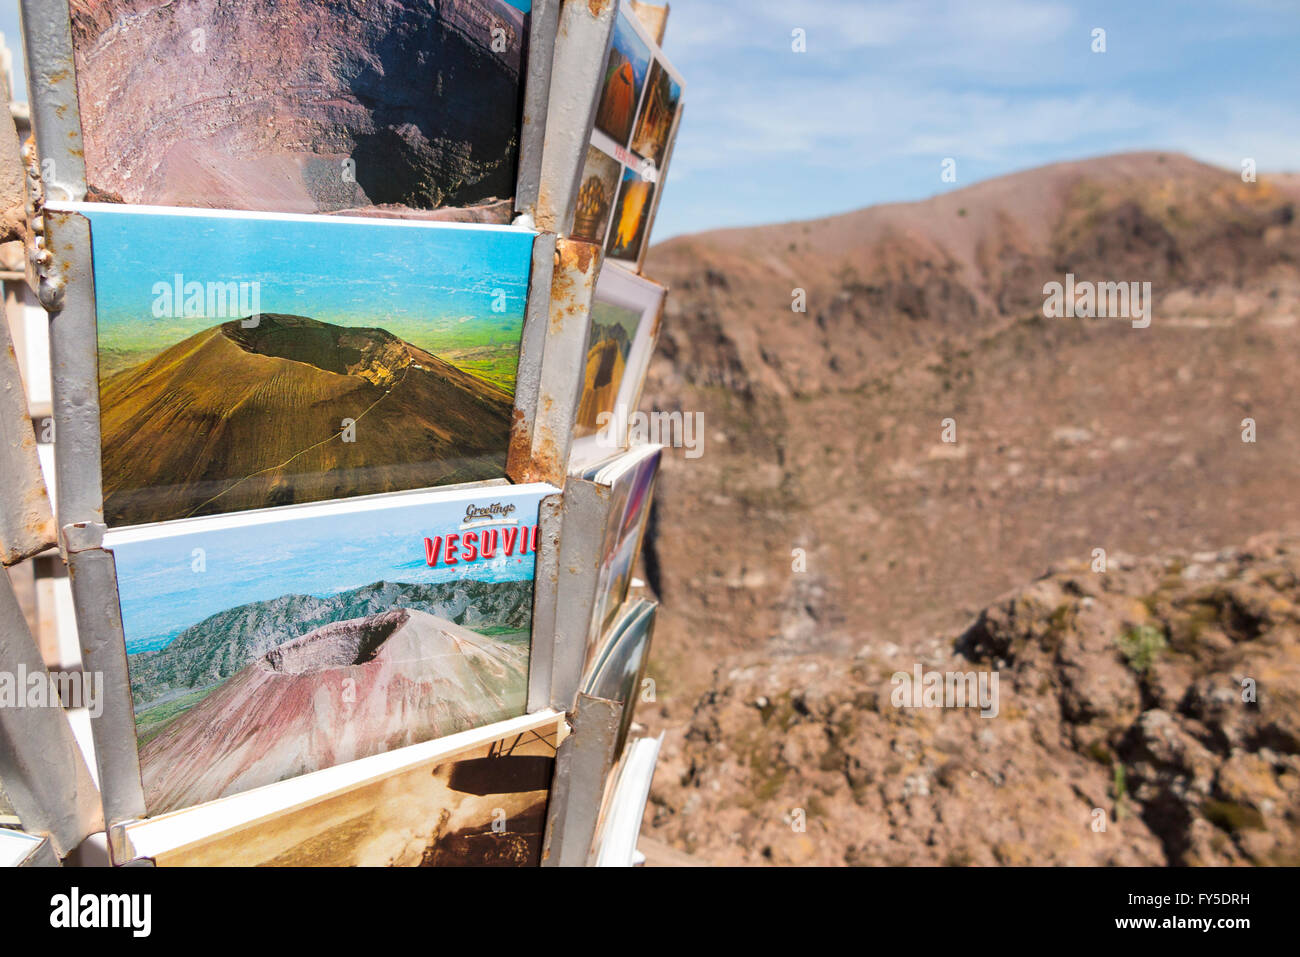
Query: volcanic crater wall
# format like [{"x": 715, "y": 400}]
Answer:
[{"x": 259, "y": 105}]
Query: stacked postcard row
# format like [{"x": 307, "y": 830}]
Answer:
[{"x": 328, "y": 404}]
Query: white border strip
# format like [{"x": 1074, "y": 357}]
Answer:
[
  {"x": 16, "y": 847},
  {"x": 308, "y": 510},
  {"x": 129, "y": 209}
]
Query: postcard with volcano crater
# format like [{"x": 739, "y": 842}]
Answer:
[
  {"x": 367, "y": 107},
  {"x": 254, "y": 360},
  {"x": 262, "y": 646}
]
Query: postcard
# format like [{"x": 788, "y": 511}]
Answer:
[
  {"x": 253, "y": 360},
  {"x": 265, "y": 645},
  {"x": 628, "y": 225},
  {"x": 637, "y": 112},
  {"x": 623, "y": 808},
  {"x": 631, "y": 476},
  {"x": 600, "y": 179},
  {"x": 388, "y": 109},
  {"x": 626, "y": 67},
  {"x": 620, "y": 662},
  {"x": 477, "y": 798},
  {"x": 663, "y": 95},
  {"x": 624, "y": 324}
]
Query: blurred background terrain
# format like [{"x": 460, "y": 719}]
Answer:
[{"x": 823, "y": 434}]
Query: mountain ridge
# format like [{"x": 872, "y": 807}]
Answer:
[{"x": 867, "y": 532}]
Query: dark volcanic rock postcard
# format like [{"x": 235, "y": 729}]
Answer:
[
  {"x": 262, "y": 646},
  {"x": 384, "y": 107}
]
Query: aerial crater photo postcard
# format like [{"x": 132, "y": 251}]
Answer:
[
  {"x": 369, "y": 107},
  {"x": 264, "y": 646},
  {"x": 248, "y": 361}
]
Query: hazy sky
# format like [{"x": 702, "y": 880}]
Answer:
[{"x": 887, "y": 90}]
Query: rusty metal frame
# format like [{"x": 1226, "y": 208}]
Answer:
[
  {"x": 585, "y": 516},
  {"x": 532, "y": 348},
  {"x": 546, "y": 567},
  {"x": 545, "y": 457},
  {"x": 93, "y": 574},
  {"x": 52, "y": 91},
  {"x": 543, "y": 20},
  {"x": 26, "y": 522},
  {"x": 568, "y": 43},
  {"x": 581, "y": 767},
  {"x": 581, "y": 45},
  {"x": 45, "y": 776}
]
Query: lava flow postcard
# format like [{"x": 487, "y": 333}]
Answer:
[
  {"x": 262, "y": 646},
  {"x": 255, "y": 360}
]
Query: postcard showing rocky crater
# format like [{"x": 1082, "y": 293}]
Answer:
[
  {"x": 264, "y": 646},
  {"x": 370, "y": 107},
  {"x": 254, "y": 360}
]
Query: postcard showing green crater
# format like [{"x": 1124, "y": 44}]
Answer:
[{"x": 250, "y": 360}]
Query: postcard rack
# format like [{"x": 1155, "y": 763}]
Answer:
[
  {"x": 157, "y": 478},
  {"x": 46, "y": 789}
]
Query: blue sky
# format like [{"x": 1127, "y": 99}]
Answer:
[
  {"x": 314, "y": 556},
  {"x": 415, "y": 280},
  {"x": 887, "y": 90}
]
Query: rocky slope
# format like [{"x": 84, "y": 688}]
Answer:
[
  {"x": 344, "y": 691},
  {"x": 823, "y": 428},
  {"x": 385, "y": 106},
  {"x": 827, "y": 513},
  {"x": 1147, "y": 715}
]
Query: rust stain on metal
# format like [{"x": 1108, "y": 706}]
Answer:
[
  {"x": 518, "y": 454},
  {"x": 542, "y": 214},
  {"x": 546, "y": 465},
  {"x": 579, "y": 254},
  {"x": 572, "y": 281},
  {"x": 659, "y": 320},
  {"x": 597, "y": 7}
]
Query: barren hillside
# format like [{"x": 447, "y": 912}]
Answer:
[{"x": 823, "y": 428}]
